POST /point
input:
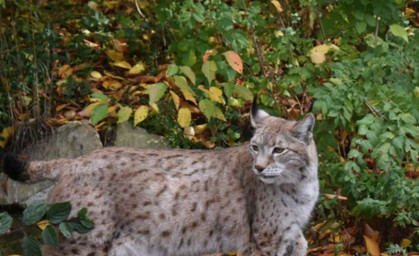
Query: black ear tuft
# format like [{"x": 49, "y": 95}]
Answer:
[
  {"x": 254, "y": 109},
  {"x": 257, "y": 115},
  {"x": 13, "y": 166}
]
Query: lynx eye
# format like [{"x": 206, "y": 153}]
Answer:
[
  {"x": 255, "y": 148},
  {"x": 278, "y": 150}
]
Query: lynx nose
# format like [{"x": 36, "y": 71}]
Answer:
[{"x": 259, "y": 168}]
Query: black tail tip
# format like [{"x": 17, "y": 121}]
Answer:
[{"x": 13, "y": 166}]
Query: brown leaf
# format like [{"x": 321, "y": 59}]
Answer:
[
  {"x": 206, "y": 55},
  {"x": 371, "y": 238}
]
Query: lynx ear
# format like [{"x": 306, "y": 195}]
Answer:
[
  {"x": 257, "y": 115},
  {"x": 303, "y": 129}
]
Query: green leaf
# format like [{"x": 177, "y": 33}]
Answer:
[
  {"x": 66, "y": 229},
  {"x": 100, "y": 96},
  {"x": 207, "y": 108},
  {"x": 99, "y": 112},
  {"x": 31, "y": 246},
  {"x": 209, "y": 68},
  {"x": 124, "y": 114},
  {"x": 156, "y": 92},
  {"x": 243, "y": 92},
  {"x": 5, "y": 222},
  {"x": 188, "y": 73},
  {"x": 370, "y": 208},
  {"x": 229, "y": 89},
  {"x": 360, "y": 26},
  {"x": 34, "y": 213},
  {"x": 172, "y": 69},
  {"x": 49, "y": 236},
  {"x": 58, "y": 212},
  {"x": 198, "y": 16},
  {"x": 399, "y": 31}
]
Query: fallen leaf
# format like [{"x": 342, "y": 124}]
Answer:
[
  {"x": 140, "y": 114},
  {"x": 5, "y": 136},
  {"x": 137, "y": 69},
  {"x": 176, "y": 99},
  {"x": 277, "y": 6},
  {"x": 371, "y": 240},
  {"x": 405, "y": 242},
  {"x": 96, "y": 75},
  {"x": 122, "y": 64},
  {"x": 114, "y": 55},
  {"x": 199, "y": 129}
]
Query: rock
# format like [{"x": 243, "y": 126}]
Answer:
[
  {"x": 69, "y": 141},
  {"x": 137, "y": 137}
]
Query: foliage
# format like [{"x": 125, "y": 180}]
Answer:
[
  {"x": 188, "y": 70},
  {"x": 48, "y": 218}
]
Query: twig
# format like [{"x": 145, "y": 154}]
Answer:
[
  {"x": 139, "y": 10},
  {"x": 377, "y": 25}
]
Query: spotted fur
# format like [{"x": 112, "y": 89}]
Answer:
[{"x": 255, "y": 198}]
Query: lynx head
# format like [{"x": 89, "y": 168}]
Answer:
[{"x": 283, "y": 151}]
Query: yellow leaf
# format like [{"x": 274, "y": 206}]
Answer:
[
  {"x": 317, "y": 57},
  {"x": 199, "y": 129},
  {"x": 176, "y": 99},
  {"x": 114, "y": 55},
  {"x": 114, "y": 76},
  {"x": 140, "y": 114},
  {"x": 372, "y": 246},
  {"x": 154, "y": 107},
  {"x": 95, "y": 75},
  {"x": 277, "y": 6},
  {"x": 112, "y": 85},
  {"x": 318, "y": 53},
  {"x": 205, "y": 90},
  {"x": 405, "y": 242},
  {"x": 137, "y": 69},
  {"x": 14, "y": 255},
  {"x": 5, "y": 136},
  {"x": 122, "y": 64},
  {"x": 216, "y": 94},
  {"x": 184, "y": 117},
  {"x": 43, "y": 224},
  {"x": 234, "y": 61},
  {"x": 181, "y": 82}
]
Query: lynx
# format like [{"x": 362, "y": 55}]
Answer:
[{"x": 255, "y": 198}]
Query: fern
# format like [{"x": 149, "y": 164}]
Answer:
[{"x": 395, "y": 248}]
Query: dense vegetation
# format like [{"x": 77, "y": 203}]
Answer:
[{"x": 188, "y": 70}]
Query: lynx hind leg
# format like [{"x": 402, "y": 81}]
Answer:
[{"x": 293, "y": 243}]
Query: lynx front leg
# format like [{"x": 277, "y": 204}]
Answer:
[{"x": 293, "y": 242}]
